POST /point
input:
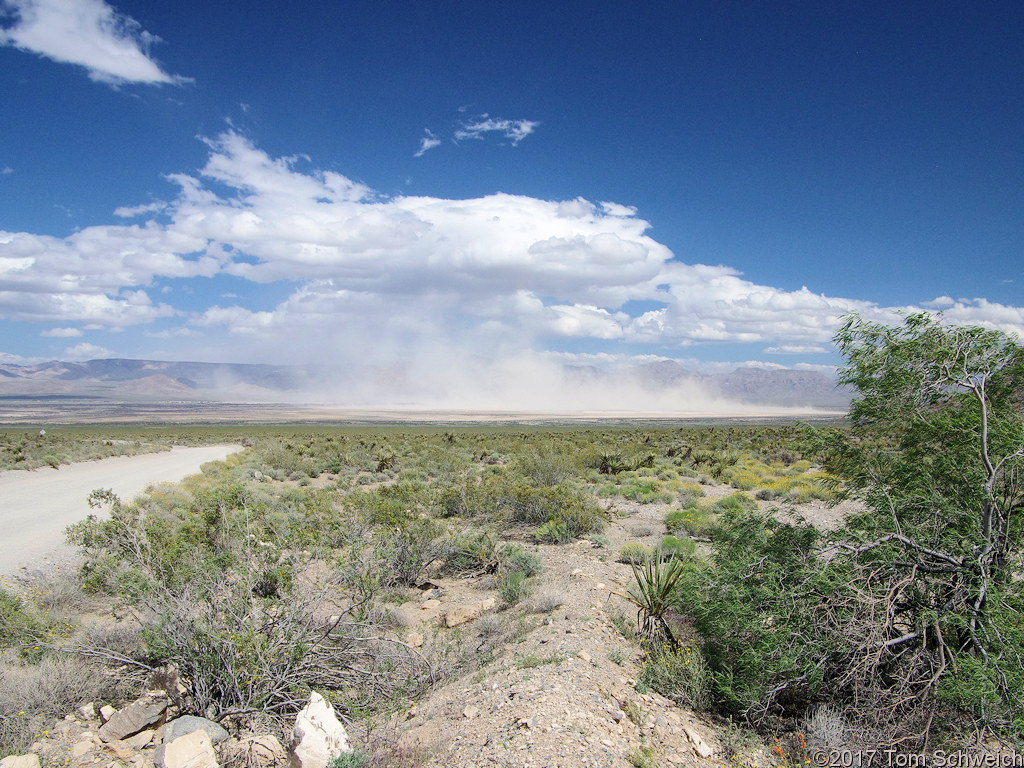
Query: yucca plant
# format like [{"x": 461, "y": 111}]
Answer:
[{"x": 651, "y": 592}]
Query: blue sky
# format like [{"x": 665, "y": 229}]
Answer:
[{"x": 411, "y": 183}]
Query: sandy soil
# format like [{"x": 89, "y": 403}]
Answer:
[{"x": 37, "y": 506}]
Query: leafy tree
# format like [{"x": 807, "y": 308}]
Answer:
[
  {"x": 937, "y": 455},
  {"x": 912, "y": 614}
]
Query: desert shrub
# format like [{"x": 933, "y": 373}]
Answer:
[
  {"x": 407, "y": 550},
  {"x": 697, "y": 520},
  {"x": 547, "y": 600},
  {"x": 670, "y": 546},
  {"x": 512, "y": 557},
  {"x": 554, "y": 531},
  {"x": 689, "y": 492},
  {"x": 736, "y": 502},
  {"x": 677, "y": 673},
  {"x": 354, "y": 759},
  {"x": 243, "y": 633},
  {"x": 470, "y": 552},
  {"x": 752, "y": 608},
  {"x": 20, "y": 625},
  {"x": 33, "y": 696},
  {"x": 634, "y": 553},
  {"x": 513, "y": 588},
  {"x": 573, "y": 508}
]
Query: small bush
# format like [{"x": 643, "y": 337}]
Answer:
[
  {"x": 513, "y": 588},
  {"x": 470, "y": 552},
  {"x": 356, "y": 759},
  {"x": 547, "y": 601},
  {"x": 679, "y": 674},
  {"x": 553, "y": 532},
  {"x": 683, "y": 549},
  {"x": 514, "y": 558},
  {"x": 697, "y": 520},
  {"x": 634, "y": 553}
]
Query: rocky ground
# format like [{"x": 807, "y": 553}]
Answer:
[
  {"x": 556, "y": 688},
  {"x": 565, "y": 694}
]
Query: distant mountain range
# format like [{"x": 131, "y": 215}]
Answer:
[{"x": 153, "y": 380}]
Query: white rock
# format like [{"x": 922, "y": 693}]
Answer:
[
  {"x": 193, "y": 750},
  {"x": 699, "y": 745},
  {"x": 318, "y": 736},
  {"x": 20, "y": 761}
]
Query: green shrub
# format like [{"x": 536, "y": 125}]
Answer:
[
  {"x": 679, "y": 674},
  {"x": 19, "y": 626},
  {"x": 512, "y": 557},
  {"x": 697, "y": 520},
  {"x": 513, "y": 588},
  {"x": 553, "y": 532},
  {"x": 689, "y": 492},
  {"x": 470, "y": 552},
  {"x": 670, "y": 546},
  {"x": 355, "y": 759},
  {"x": 634, "y": 553},
  {"x": 737, "y": 502}
]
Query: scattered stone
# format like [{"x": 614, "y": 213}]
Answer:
[
  {"x": 415, "y": 639},
  {"x": 189, "y": 723},
  {"x": 471, "y": 711},
  {"x": 145, "y": 712},
  {"x": 318, "y": 736},
  {"x": 584, "y": 656},
  {"x": 699, "y": 745},
  {"x": 88, "y": 711},
  {"x": 20, "y": 761},
  {"x": 193, "y": 750}
]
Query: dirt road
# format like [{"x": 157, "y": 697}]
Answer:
[{"x": 36, "y": 506}]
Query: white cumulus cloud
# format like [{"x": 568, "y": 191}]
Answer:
[
  {"x": 62, "y": 333},
  {"x": 374, "y": 280},
  {"x": 87, "y": 351},
  {"x": 111, "y": 46}
]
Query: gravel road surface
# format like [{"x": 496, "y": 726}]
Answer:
[{"x": 36, "y": 506}]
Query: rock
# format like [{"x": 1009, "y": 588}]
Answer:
[
  {"x": 584, "y": 656},
  {"x": 145, "y": 712},
  {"x": 318, "y": 736},
  {"x": 20, "y": 761},
  {"x": 430, "y": 605},
  {"x": 471, "y": 711},
  {"x": 460, "y": 614},
  {"x": 699, "y": 745},
  {"x": 258, "y": 752},
  {"x": 193, "y": 750},
  {"x": 107, "y": 712},
  {"x": 88, "y": 711},
  {"x": 189, "y": 723},
  {"x": 140, "y": 739},
  {"x": 83, "y": 747},
  {"x": 415, "y": 639}
]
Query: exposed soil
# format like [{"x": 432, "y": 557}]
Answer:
[{"x": 565, "y": 694}]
